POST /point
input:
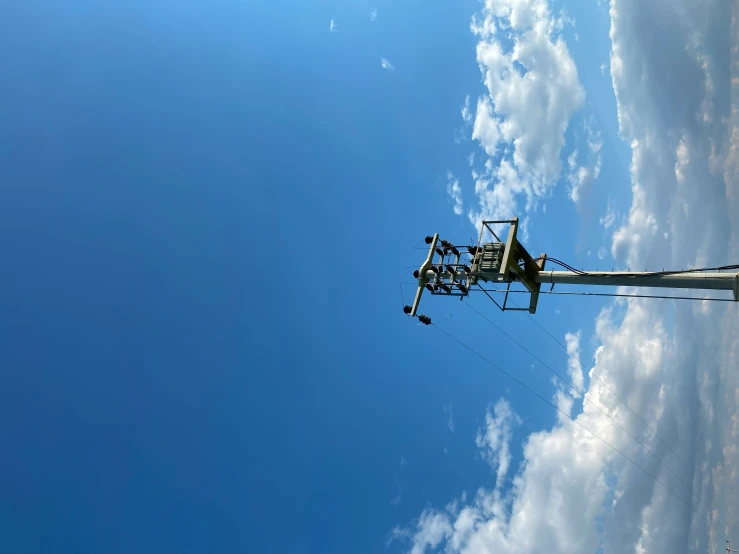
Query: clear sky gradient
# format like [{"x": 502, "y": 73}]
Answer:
[{"x": 206, "y": 210}]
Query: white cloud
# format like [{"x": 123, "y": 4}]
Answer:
[
  {"x": 332, "y": 26},
  {"x": 610, "y": 217},
  {"x": 432, "y": 528},
  {"x": 602, "y": 253},
  {"x": 466, "y": 114},
  {"x": 581, "y": 177},
  {"x": 603, "y": 68},
  {"x": 448, "y": 413},
  {"x": 572, "y": 341},
  {"x": 494, "y": 439},
  {"x": 373, "y": 15},
  {"x": 486, "y": 128},
  {"x": 673, "y": 364},
  {"x": 455, "y": 192},
  {"x": 387, "y": 65},
  {"x": 533, "y": 91}
]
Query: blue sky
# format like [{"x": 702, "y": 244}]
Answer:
[{"x": 206, "y": 212}]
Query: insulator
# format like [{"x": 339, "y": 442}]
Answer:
[
  {"x": 407, "y": 309},
  {"x": 450, "y": 269},
  {"x": 446, "y": 244},
  {"x": 416, "y": 274},
  {"x": 429, "y": 240},
  {"x": 473, "y": 249},
  {"x": 464, "y": 289},
  {"x": 434, "y": 269},
  {"x": 439, "y": 251},
  {"x": 466, "y": 268},
  {"x": 455, "y": 251},
  {"x": 430, "y": 287},
  {"x": 445, "y": 287},
  {"x": 426, "y": 320}
]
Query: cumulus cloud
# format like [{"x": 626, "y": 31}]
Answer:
[
  {"x": 675, "y": 73},
  {"x": 532, "y": 92},
  {"x": 385, "y": 63},
  {"x": 455, "y": 192}
]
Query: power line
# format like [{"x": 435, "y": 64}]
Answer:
[
  {"x": 582, "y": 366},
  {"x": 574, "y": 420},
  {"x": 583, "y": 393},
  {"x": 673, "y": 272}
]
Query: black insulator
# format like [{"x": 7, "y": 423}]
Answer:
[
  {"x": 407, "y": 309},
  {"x": 429, "y": 240},
  {"x": 446, "y": 244},
  {"x": 430, "y": 287},
  {"x": 455, "y": 251},
  {"x": 463, "y": 289},
  {"x": 450, "y": 269},
  {"x": 466, "y": 268},
  {"x": 439, "y": 251},
  {"x": 445, "y": 287},
  {"x": 426, "y": 320},
  {"x": 416, "y": 274},
  {"x": 434, "y": 269},
  {"x": 473, "y": 249}
]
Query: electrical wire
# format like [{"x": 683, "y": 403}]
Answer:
[
  {"x": 584, "y": 395},
  {"x": 575, "y": 420},
  {"x": 640, "y": 418},
  {"x": 645, "y": 273}
]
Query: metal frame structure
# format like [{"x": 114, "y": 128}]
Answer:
[{"x": 517, "y": 265}]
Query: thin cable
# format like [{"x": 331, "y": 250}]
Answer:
[
  {"x": 649, "y": 273},
  {"x": 583, "y": 393},
  {"x": 582, "y": 366},
  {"x": 574, "y": 420}
]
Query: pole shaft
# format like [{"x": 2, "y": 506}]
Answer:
[{"x": 714, "y": 281}]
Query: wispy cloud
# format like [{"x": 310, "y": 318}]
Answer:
[
  {"x": 387, "y": 65},
  {"x": 332, "y": 26},
  {"x": 373, "y": 15},
  {"x": 581, "y": 178},
  {"x": 396, "y": 500},
  {"x": 610, "y": 217},
  {"x": 466, "y": 114},
  {"x": 449, "y": 416},
  {"x": 455, "y": 192}
]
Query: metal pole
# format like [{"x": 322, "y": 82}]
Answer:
[{"x": 713, "y": 281}]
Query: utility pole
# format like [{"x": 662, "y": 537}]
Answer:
[{"x": 459, "y": 269}]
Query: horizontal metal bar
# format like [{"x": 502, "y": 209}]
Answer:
[
  {"x": 713, "y": 281},
  {"x": 612, "y": 294}
]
